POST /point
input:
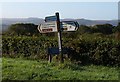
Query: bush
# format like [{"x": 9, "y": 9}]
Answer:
[
  {"x": 97, "y": 50},
  {"x": 28, "y": 29},
  {"x": 103, "y": 28}
]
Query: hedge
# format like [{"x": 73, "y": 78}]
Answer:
[{"x": 99, "y": 51}]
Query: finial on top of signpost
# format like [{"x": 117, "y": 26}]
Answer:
[{"x": 57, "y": 13}]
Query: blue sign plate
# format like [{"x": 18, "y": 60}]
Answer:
[
  {"x": 50, "y": 18},
  {"x": 55, "y": 50}
]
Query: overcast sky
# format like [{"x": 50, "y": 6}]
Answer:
[{"x": 75, "y": 10}]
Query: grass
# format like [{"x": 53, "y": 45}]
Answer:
[{"x": 20, "y": 69}]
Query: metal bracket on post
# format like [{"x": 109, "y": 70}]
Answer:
[{"x": 50, "y": 57}]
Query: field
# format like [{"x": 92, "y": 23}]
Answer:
[{"x": 22, "y": 69}]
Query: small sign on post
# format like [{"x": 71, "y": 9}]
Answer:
[
  {"x": 50, "y": 18},
  {"x": 55, "y": 51}
]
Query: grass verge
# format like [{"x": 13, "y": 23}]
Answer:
[{"x": 20, "y": 69}]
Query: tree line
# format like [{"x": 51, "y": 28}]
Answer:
[{"x": 29, "y": 29}]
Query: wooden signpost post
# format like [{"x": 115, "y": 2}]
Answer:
[
  {"x": 53, "y": 24},
  {"x": 59, "y": 37}
]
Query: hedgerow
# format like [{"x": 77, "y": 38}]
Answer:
[{"x": 99, "y": 51}]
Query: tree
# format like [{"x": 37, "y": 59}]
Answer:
[
  {"x": 117, "y": 31},
  {"x": 84, "y": 29},
  {"x": 103, "y": 28},
  {"x": 118, "y": 27},
  {"x": 22, "y": 29}
]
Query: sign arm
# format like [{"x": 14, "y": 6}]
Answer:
[{"x": 39, "y": 28}]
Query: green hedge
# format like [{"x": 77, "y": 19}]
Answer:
[{"x": 99, "y": 51}]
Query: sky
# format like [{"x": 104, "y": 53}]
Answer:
[
  {"x": 59, "y": 0},
  {"x": 74, "y": 10},
  {"x": 119, "y": 11}
]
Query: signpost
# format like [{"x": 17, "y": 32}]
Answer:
[
  {"x": 53, "y": 24},
  {"x": 59, "y": 37}
]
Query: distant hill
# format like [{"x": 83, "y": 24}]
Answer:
[
  {"x": 8, "y": 21},
  {"x": 94, "y": 22}
]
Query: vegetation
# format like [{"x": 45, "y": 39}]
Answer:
[
  {"x": 31, "y": 29},
  {"x": 93, "y": 53},
  {"x": 117, "y": 32},
  {"x": 22, "y": 29},
  {"x": 19, "y": 69},
  {"x": 97, "y": 50}
]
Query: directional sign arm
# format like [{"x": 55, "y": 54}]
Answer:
[
  {"x": 69, "y": 25},
  {"x": 39, "y": 28},
  {"x": 77, "y": 25}
]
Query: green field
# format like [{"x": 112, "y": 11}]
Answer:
[{"x": 21, "y": 69}]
